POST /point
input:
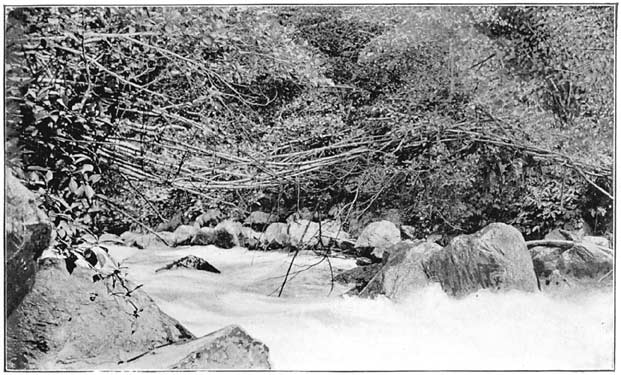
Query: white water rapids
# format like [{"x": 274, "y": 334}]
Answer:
[{"x": 308, "y": 330}]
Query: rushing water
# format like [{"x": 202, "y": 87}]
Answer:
[{"x": 314, "y": 328}]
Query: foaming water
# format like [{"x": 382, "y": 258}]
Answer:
[{"x": 429, "y": 330}]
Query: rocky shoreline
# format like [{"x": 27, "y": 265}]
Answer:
[{"x": 88, "y": 315}]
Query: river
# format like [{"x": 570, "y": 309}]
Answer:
[{"x": 313, "y": 327}]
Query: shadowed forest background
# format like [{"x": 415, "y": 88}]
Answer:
[{"x": 442, "y": 118}]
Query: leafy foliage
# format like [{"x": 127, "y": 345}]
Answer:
[{"x": 456, "y": 116}]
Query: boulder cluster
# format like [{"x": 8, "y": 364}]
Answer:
[
  {"x": 88, "y": 316},
  {"x": 259, "y": 231},
  {"x": 497, "y": 258}
]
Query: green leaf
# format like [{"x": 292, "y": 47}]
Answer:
[
  {"x": 73, "y": 185},
  {"x": 88, "y": 191}
]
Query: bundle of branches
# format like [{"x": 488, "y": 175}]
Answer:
[{"x": 141, "y": 157}]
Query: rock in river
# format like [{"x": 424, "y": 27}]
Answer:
[
  {"x": 69, "y": 321},
  {"x": 495, "y": 257},
  {"x": 191, "y": 262}
]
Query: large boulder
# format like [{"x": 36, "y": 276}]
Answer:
[
  {"x": 28, "y": 232},
  {"x": 69, "y": 321},
  {"x": 228, "y": 348},
  {"x": 378, "y": 235},
  {"x": 184, "y": 235},
  {"x": 304, "y": 233},
  {"x": 276, "y": 236},
  {"x": 495, "y": 257},
  {"x": 404, "y": 271},
  {"x": 259, "y": 221},
  {"x": 209, "y": 218}
]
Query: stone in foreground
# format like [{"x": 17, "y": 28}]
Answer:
[
  {"x": 495, "y": 257},
  {"x": 229, "y": 348},
  {"x": 28, "y": 232},
  {"x": 68, "y": 321}
]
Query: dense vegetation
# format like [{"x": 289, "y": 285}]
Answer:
[{"x": 448, "y": 117}]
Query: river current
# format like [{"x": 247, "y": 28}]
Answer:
[{"x": 312, "y": 326}]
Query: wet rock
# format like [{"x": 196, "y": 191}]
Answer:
[
  {"x": 190, "y": 262},
  {"x": 259, "y": 221},
  {"x": 209, "y": 218},
  {"x": 276, "y": 236},
  {"x": 249, "y": 238},
  {"x": 583, "y": 261},
  {"x": 234, "y": 228},
  {"x": 360, "y": 276},
  {"x": 586, "y": 260},
  {"x": 333, "y": 235},
  {"x": 28, "y": 232},
  {"x": 495, "y": 257},
  {"x": 184, "y": 235},
  {"x": 220, "y": 237},
  {"x": 404, "y": 271},
  {"x": 379, "y": 234},
  {"x": 172, "y": 224},
  {"x": 304, "y": 234},
  {"x": 228, "y": 348},
  {"x": 380, "y": 253},
  {"x": 68, "y": 321}
]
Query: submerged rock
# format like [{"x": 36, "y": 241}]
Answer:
[
  {"x": 191, "y": 262},
  {"x": 28, "y": 232},
  {"x": 495, "y": 257},
  {"x": 68, "y": 321}
]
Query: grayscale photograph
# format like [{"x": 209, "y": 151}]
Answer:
[{"x": 309, "y": 187}]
